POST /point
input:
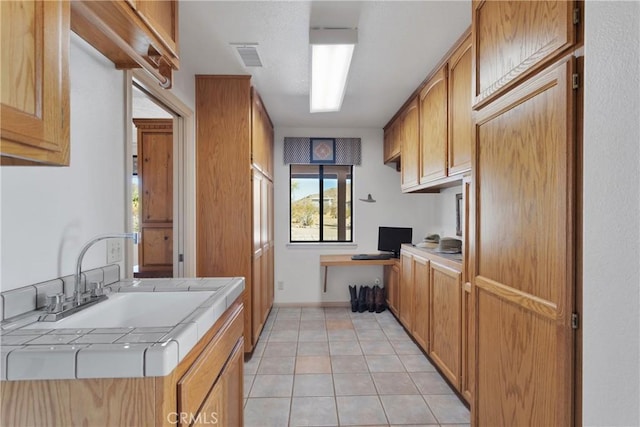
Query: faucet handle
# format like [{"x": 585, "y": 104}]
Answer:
[
  {"x": 96, "y": 288},
  {"x": 55, "y": 302}
]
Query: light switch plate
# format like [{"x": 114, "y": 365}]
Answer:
[{"x": 114, "y": 251}]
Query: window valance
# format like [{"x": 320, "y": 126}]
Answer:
[{"x": 336, "y": 151}]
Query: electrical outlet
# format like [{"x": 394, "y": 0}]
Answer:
[
  {"x": 280, "y": 285},
  {"x": 114, "y": 251},
  {"x": 377, "y": 281}
]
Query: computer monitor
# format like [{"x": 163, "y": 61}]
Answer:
[{"x": 391, "y": 238}]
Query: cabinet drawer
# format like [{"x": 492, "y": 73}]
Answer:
[{"x": 194, "y": 386}]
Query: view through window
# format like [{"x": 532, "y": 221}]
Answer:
[{"x": 321, "y": 203}]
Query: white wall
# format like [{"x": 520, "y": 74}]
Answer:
[
  {"x": 447, "y": 213},
  {"x": 299, "y": 267},
  {"x": 48, "y": 213},
  {"x": 611, "y": 316}
]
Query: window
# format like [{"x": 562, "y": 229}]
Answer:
[{"x": 321, "y": 203}]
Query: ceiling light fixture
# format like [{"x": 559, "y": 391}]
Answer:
[{"x": 331, "y": 52}]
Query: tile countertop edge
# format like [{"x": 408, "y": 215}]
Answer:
[{"x": 134, "y": 360}]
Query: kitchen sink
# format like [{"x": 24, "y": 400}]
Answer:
[{"x": 133, "y": 309}]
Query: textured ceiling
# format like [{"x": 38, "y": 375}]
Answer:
[{"x": 398, "y": 45}]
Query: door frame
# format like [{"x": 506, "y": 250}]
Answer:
[{"x": 184, "y": 181}]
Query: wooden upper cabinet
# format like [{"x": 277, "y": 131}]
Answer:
[
  {"x": 433, "y": 128},
  {"x": 132, "y": 33},
  {"x": 162, "y": 18},
  {"x": 391, "y": 144},
  {"x": 34, "y": 114},
  {"x": 459, "y": 148},
  {"x": 408, "y": 128},
  {"x": 514, "y": 39},
  {"x": 262, "y": 136}
]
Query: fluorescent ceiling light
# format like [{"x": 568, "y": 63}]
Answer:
[{"x": 331, "y": 52}]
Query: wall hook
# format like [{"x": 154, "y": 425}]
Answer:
[{"x": 369, "y": 199}]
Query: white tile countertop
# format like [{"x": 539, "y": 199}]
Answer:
[{"x": 30, "y": 353}]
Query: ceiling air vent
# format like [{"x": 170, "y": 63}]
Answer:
[{"x": 249, "y": 54}]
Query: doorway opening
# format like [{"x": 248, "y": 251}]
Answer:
[
  {"x": 160, "y": 180},
  {"x": 152, "y": 185}
]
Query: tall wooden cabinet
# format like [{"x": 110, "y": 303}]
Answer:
[
  {"x": 524, "y": 258},
  {"x": 155, "y": 174},
  {"x": 34, "y": 109},
  {"x": 234, "y": 191}
]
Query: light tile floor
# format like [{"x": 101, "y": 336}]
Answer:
[{"x": 330, "y": 367}]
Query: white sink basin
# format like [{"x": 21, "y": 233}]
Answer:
[{"x": 132, "y": 309}]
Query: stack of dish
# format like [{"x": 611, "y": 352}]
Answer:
[
  {"x": 431, "y": 241},
  {"x": 449, "y": 245}
]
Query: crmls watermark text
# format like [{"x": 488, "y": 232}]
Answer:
[{"x": 189, "y": 418}]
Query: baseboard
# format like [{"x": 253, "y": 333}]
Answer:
[{"x": 328, "y": 304}]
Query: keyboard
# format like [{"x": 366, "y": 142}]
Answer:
[{"x": 371, "y": 256}]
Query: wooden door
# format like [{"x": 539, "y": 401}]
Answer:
[
  {"x": 406, "y": 290},
  {"x": 421, "y": 302},
  {"x": 515, "y": 39},
  {"x": 408, "y": 129},
  {"x": 445, "y": 320},
  {"x": 155, "y": 175},
  {"x": 433, "y": 128},
  {"x": 34, "y": 100},
  {"x": 524, "y": 259},
  {"x": 460, "y": 99}
]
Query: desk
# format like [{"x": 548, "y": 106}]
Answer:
[{"x": 327, "y": 261}]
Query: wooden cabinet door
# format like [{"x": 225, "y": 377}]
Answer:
[
  {"x": 524, "y": 260},
  {"x": 421, "y": 302},
  {"x": 224, "y": 404},
  {"x": 257, "y": 289},
  {"x": 433, "y": 128},
  {"x": 467, "y": 368},
  {"x": 392, "y": 287},
  {"x": 460, "y": 126},
  {"x": 391, "y": 146},
  {"x": 162, "y": 18},
  {"x": 406, "y": 290},
  {"x": 445, "y": 320},
  {"x": 514, "y": 39},
  {"x": 155, "y": 174},
  {"x": 409, "y": 148},
  {"x": 34, "y": 108}
]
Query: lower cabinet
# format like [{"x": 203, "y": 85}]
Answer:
[
  {"x": 223, "y": 404},
  {"x": 445, "y": 317},
  {"x": 421, "y": 300},
  {"x": 392, "y": 286},
  {"x": 435, "y": 308},
  {"x": 406, "y": 290}
]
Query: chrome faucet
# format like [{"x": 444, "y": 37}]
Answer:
[
  {"x": 77, "y": 294},
  {"x": 59, "y": 307}
]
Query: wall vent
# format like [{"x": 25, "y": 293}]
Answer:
[{"x": 249, "y": 54}]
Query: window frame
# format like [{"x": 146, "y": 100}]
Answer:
[{"x": 321, "y": 179}]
